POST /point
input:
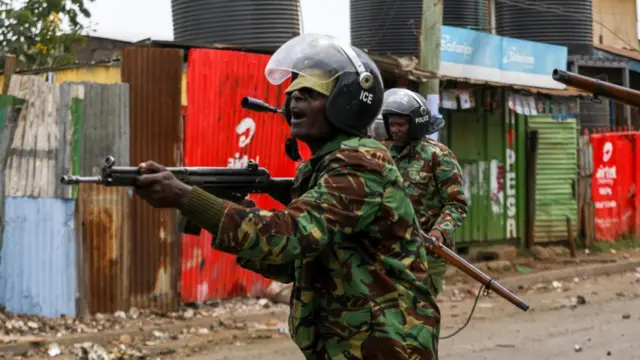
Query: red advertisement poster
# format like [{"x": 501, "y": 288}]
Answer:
[
  {"x": 612, "y": 184},
  {"x": 219, "y": 132}
]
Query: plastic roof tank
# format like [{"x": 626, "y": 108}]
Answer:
[
  {"x": 393, "y": 26},
  {"x": 259, "y": 24},
  {"x": 562, "y": 22}
]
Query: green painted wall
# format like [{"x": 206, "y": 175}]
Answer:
[
  {"x": 556, "y": 176},
  {"x": 521, "y": 175},
  {"x": 490, "y": 149}
]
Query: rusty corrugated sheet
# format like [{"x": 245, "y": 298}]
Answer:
[
  {"x": 104, "y": 212},
  {"x": 155, "y": 78},
  {"x": 219, "y": 132}
]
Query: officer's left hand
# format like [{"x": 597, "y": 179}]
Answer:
[
  {"x": 436, "y": 234},
  {"x": 160, "y": 188}
]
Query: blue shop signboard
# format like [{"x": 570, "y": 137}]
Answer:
[{"x": 481, "y": 56}]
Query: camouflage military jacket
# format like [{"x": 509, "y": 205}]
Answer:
[
  {"x": 350, "y": 243},
  {"x": 433, "y": 179}
]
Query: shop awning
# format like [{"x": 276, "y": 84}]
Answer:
[{"x": 569, "y": 91}]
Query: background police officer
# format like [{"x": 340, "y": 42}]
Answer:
[{"x": 432, "y": 175}]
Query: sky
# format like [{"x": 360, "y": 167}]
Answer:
[{"x": 134, "y": 20}]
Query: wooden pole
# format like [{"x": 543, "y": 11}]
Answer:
[
  {"x": 571, "y": 238},
  {"x": 10, "y": 64},
  {"x": 430, "y": 37}
]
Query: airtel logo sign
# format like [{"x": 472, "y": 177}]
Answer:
[
  {"x": 606, "y": 174},
  {"x": 245, "y": 125},
  {"x": 607, "y": 151},
  {"x": 246, "y": 130}
]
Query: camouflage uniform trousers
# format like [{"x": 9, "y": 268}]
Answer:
[{"x": 437, "y": 270}]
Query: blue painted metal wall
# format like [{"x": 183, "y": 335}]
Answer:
[
  {"x": 38, "y": 264},
  {"x": 38, "y": 268}
]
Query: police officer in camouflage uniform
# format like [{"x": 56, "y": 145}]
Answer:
[
  {"x": 349, "y": 240},
  {"x": 432, "y": 175}
]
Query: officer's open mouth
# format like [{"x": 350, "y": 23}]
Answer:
[{"x": 297, "y": 115}]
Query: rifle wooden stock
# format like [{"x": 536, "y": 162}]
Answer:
[
  {"x": 598, "y": 87},
  {"x": 461, "y": 264}
]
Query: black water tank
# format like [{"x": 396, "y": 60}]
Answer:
[
  {"x": 393, "y": 27},
  {"x": 562, "y": 22},
  {"x": 468, "y": 14},
  {"x": 260, "y": 24}
]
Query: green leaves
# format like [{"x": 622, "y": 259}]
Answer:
[{"x": 41, "y": 33}]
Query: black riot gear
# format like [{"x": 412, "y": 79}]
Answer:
[
  {"x": 413, "y": 106},
  {"x": 345, "y": 74}
]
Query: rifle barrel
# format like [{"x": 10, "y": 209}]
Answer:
[
  {"x": 75, "y": 180},
  {"x": 598, "y": 87},
  {"x": 258, "y": 105},
  {"x": 461, "y": 264}
]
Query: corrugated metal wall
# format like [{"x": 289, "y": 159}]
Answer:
[
  {"x": 479, "y": 143},
  {"x": 10, "y": 108},
  {"x": 586, "y": 211},
  {"x": 70, "y": 114},
  {"x": 556, "y": 177},
  {"x": 219, "y": 132},
  {"x": 102, "y": 74},
  {"x": 155, "y": 78},
  {"x": 104, "y": 212},
  {"x": 38, "y": 268},
  {"x": 38, "y": 154}
]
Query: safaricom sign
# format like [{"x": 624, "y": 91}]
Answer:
[
  {"x": 512, "y": 56},
  {"x": 449, "y": 44},
  {"x": 481, "y": 56}
]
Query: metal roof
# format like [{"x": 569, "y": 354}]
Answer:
[
  {"x": 569, "y": 91},
  {"x": 400, "y": 66}
]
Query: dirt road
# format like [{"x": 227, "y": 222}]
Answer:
[
  {"x": 559, "y": 326},
  {"x": 586, "y": 319}
]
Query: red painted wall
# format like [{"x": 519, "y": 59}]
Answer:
[{"x": 219, "y": 132}]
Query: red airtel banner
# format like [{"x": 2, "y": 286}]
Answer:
[
  {"x": 615, "y": 173},
  {"x": 219, "y": 132}
]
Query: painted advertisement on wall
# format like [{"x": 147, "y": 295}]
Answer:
[
  {"x": 490, "y": 155},
  {"x": 219, "y": 132},
  {"x": 613, "y": 184}
]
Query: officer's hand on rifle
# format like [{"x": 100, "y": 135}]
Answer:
[
  {"x": 436, "y": 234},
  {"x": 160, "y": 188}
]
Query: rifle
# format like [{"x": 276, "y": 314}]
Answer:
[
  {"x": 598, "y": 87},
  {"x": 451, "y": 258},
  {"x": 290, "y": 145},
  {"x": 226, "y": 183},
  {"x": 235, "y": 184},
  {"x": 258, "y": 105}
]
